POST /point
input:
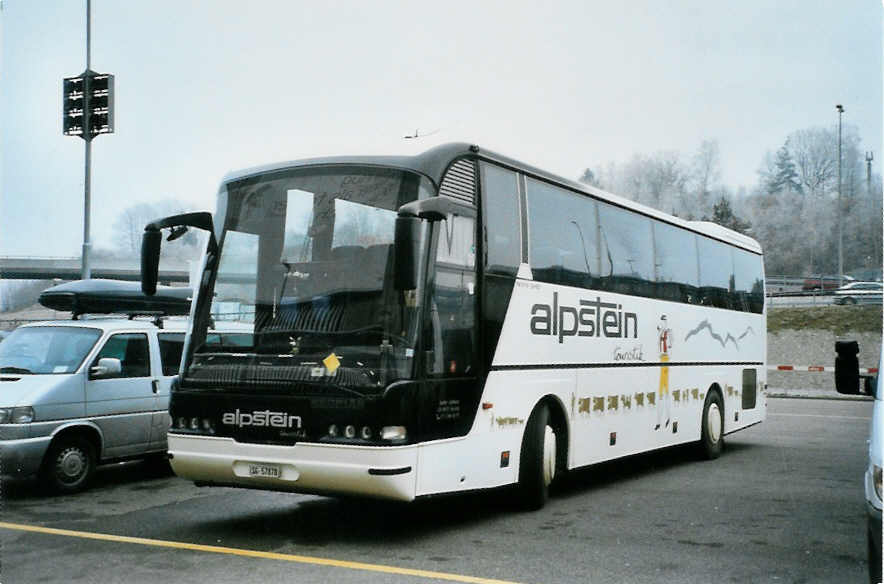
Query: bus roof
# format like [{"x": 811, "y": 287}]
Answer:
[{"x": 433, "y": 164}]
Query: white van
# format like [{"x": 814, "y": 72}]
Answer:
[{"x": 77, "y": 393}]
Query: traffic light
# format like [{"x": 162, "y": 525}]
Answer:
[
  {"x": 72, "y": 106},
  {"x": 88, "y": 105},
  {"x": 101, "y": 104}
]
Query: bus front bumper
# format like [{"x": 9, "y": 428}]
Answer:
[{"x": 386, "y": 472}]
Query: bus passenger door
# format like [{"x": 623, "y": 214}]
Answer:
[{"x": 450, "y": 332}]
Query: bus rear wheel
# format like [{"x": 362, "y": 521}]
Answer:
[
  {"x": 712, "y": 427},
  {"x": 537, "y": 466}
]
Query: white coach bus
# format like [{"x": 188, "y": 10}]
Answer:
[{"x": 454, "y": 321}]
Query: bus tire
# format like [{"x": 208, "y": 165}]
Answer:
[
  {"x": 712, "y": 427},
  {"x": 537, "y": 466},
  {"x": 69, "y": 464}
]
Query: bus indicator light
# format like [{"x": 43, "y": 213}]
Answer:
[{"x": 504, "y": 459}]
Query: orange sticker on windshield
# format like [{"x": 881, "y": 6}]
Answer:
[{"x": 331, "y": 363}]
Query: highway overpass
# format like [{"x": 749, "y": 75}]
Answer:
[{"x": 49, "y": 268}]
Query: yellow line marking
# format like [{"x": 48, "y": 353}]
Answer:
[{"x": 254, "y": 554}]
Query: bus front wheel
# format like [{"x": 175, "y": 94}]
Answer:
[
  {"x": 537, "y": 466},
  {"x": 712, "y": 426}
]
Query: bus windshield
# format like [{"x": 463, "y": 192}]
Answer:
[{"x": 306, "y": 259}]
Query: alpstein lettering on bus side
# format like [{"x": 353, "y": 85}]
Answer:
[
  {"x": 593, "y": 318},
  {"x": 265, "y": 419}
]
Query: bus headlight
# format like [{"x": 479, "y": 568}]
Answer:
[
  {"x": 393, "y": 433},
  {"x": 350, "y": 431}
]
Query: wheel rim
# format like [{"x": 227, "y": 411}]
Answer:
[
  {"x": 549, "y": 455},
  {"x": 71, "y": 465},
  {"x": 713, "y": 423}
]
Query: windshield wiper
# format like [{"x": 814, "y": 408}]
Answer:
[{"x": 15, "y": 370}]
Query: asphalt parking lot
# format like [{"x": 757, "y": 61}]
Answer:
[{"x": 783, "y": 504}]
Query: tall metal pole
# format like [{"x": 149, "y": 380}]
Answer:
[
  {"x": 87, "y": 244},
  {"x": 870, "y": 156},
  {"x": 840, "y": 208}
]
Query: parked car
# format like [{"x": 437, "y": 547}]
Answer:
[
  {"x": 77, "y": 393},
  {"x": 848, "y": 381},
  {"x": 860, "y": 293},
  {"x": 825, "y": 282}
]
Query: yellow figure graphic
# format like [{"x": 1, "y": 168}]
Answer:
[{"x": 664, "y": 335}]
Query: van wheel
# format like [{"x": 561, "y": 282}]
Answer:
[
  {"x": 537, "y": 466},
  {"x": 712, "y": 427},
  {"x": 69, "y": 464}
]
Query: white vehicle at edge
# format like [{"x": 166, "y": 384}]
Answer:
[
  {"x": 452, "y": 321},
  {"x": 77, "y": 393},
  {"x": 850, "y": 382}
]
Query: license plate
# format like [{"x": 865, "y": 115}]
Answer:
[{"x": 264, "y": 470}]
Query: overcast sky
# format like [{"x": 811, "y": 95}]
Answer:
[{"x": 203, "y": 88}]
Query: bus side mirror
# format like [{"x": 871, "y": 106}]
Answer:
[
  {"x": 150, "y": 260},
  {"x": 408, "y": 234},
  {"x": 406, "y": 248},
  {"x": 152, "y": 238},
  {"x": 847, "y": 367}
]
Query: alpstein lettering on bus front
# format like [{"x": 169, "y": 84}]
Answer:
[
  {"x": 593, "y": 318},
  {"x": 261, "y": 419}
]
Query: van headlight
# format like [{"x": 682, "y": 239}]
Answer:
[{"x": 20, "y": 415}]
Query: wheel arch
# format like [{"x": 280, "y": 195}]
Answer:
[
  {"x": 716, "y": 388},
  {"x": 89, "y": 432}
]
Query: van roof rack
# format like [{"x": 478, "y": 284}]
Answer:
[{"x": 97, "y": 296}]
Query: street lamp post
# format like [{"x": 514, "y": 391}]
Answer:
[
  {"x": 840, "y": 206},
  {"x": 86, "y": 270}
]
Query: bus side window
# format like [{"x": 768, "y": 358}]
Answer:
[
  {"x": 627, "y": 251},
  {"x": 675, "y": 264},
  {"x": 748, "y": 282},
  {"x": 716, "y": 273},
  {"x": 563, "y": 235},
  {"x": 453, "y": 303},
  {"x": 500, "y": 194}
]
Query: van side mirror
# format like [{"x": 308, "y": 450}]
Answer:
[
  {"x": 107, "y": 368},
  {"x": 847, "y": 367}
]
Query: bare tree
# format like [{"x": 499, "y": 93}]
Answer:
[
  {"x": 706, "y": 172},
  {"x": 814, "y": 151},
  {"x": 129, "y": 225}
]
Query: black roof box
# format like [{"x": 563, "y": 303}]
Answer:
[{"x": 114, "y": 296}]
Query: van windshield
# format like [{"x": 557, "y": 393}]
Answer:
[{"x": 46, "y": 349}]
